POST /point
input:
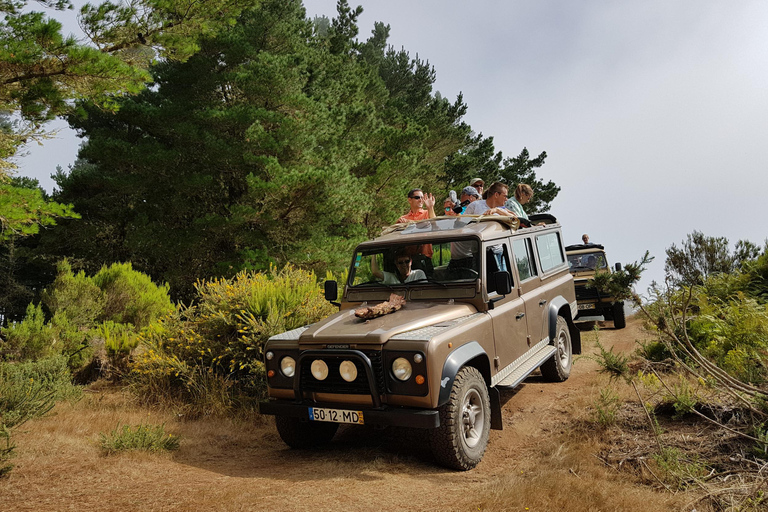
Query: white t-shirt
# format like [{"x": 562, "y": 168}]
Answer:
[
  {"x": 478, "y": 207},
  {"x": 415, "y": 275}
]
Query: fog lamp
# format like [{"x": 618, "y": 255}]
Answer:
[
  {"x": 348, "y": 371},
  {"x": 319, "y": 369}
]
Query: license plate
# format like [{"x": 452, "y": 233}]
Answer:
[
  {"x": 586, "y": 306},
  {"x": 336, "y": 415}
]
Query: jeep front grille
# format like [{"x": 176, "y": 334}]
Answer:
[{"x": 584, "y": 293}]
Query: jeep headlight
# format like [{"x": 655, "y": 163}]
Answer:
[
  {"x": 401, "y": 369},
  {"x": 348, "y": 371},
  {"x": 319, "y": 369},
  {"x": 288, "y": 366}
]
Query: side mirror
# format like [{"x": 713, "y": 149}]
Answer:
[
  {"x": 503, "y": 282},
  {"x": 331, "y": 289},
  {"x": 618, "y": 266}
]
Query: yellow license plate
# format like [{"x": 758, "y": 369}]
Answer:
[{"x": 336, "y": 415}]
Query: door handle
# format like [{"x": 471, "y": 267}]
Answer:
[
  {"x": 519, "y": 316},
  {"x": 542, "y": 302}
]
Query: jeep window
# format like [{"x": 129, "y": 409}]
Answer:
[
  {"x": 587, "y": 261},
  {"x": 550, "y": 251},
  {"x": 496, "y": 259},
  {"x": 443, "y": 263},
  {"x": 526, "y": 268}
]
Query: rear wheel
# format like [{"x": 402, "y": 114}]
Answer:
[
  {"x": 619, "y": 320},
  {"x": 304, "y": 434},
  {"x": 558, "y": 367},
  {"x": 465, "y": 422}
]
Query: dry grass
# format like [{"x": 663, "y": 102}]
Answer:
[{"x": 548, "y": 457}]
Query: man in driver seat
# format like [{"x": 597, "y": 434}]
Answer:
[{"x": 403, "y": 272}]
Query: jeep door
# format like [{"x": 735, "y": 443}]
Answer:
[
  {"x": 552, "y": 265},
  {"x": 510, "y": 325},
  {"x": 535, "y": 296}
]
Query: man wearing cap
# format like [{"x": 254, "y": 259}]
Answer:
[
  {"x": 468, "y": 195},
  {"x": 478, "y": 184},
  {"x": 417, "y": 200}
]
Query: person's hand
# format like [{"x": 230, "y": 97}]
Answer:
[{"x": 429, "y": 201}]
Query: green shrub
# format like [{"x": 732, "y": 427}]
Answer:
[
  {"x": 218, "y": 342},
  {"x": 679, "y": 469},
  {"x": 607, "y": 407},
  {"x": 74, "y": 296},
  {"x": 29, "y": 390},
  {"x": 733, "y": 334},
  {"x": 130, "y": 297},
  {"x": 28, "y": 339},
  {"x": 119, "y": 342},
  {"x": 110, "y": 307},
  {"x": 151, "y": 438}
]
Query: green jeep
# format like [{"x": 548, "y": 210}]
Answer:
[{"x": 584, "y": 261}]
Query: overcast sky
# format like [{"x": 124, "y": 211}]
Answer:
[{"x": 652, "y": 113}]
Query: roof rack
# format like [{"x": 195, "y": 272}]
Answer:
[
  {"x": 511, "y": 222},
  {"x": 576, "y": 247}
]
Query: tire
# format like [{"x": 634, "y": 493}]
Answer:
[
  {"x": 558, "y": 367},
  {"x": 304, "y": 434},
  {"x": 465, "y": 422},
  {"x": 619, "y": 320}
]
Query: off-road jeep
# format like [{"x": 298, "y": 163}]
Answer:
[
  {"x": 584, "y": 261},
  {"x": 486, "y": 304}
]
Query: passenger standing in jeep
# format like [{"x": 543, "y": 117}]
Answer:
[
  {"x": 494, "y": 204},
  {"x": 417, "y": 200}
]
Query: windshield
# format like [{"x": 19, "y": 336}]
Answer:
[
  {"x": 417, "y": 265},
  {"x": 587, "y": 261}
]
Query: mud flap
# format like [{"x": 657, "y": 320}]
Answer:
[{"x": 496, "y": 421}]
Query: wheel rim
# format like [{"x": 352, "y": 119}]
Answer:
[
  {"x": 563, "y": 349},
  {"x": 472, "y": 418}
]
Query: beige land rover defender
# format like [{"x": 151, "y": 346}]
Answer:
[{"x": 485, "y": 305}]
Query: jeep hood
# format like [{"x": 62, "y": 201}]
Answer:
[{"x": 345, "y": 327}]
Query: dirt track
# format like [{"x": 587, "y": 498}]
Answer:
[{"x": 533, "y": 464}]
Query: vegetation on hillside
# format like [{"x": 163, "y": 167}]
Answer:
[{"x": 708, "y": 364}]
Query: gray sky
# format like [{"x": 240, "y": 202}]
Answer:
[{"x": 652, "y": 113}]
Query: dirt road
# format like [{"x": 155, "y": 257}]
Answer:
[{"x": 544, "y": 459}]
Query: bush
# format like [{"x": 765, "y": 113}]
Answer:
[
  {"x": 131, "y": 297},
  {"x": 142, "y": 437},
  {"x": 214, "y": 348},
  {"x": 74, "y": 296},
  {"x": 28, "y": 339},
  {"x": 84, "y": 311},
  {"x": 27, "y": 391},
  {"x": 734, "y": 335}
]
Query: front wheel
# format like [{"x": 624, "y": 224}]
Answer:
[
  {"x": 619, "y": 320},
  {"x": 465, "y": 422},
  {"x": 304, "y": 434},
  {"x": 558, "y": 367}
]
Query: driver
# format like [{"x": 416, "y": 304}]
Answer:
[{"x": 403, "y": 272}]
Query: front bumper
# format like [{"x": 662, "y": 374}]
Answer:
[{"x": 389, "y": 416}]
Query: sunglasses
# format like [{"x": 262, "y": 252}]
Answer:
[
  {"x": 415, "y": 197},
  {"x": 403, "y": 262}
]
